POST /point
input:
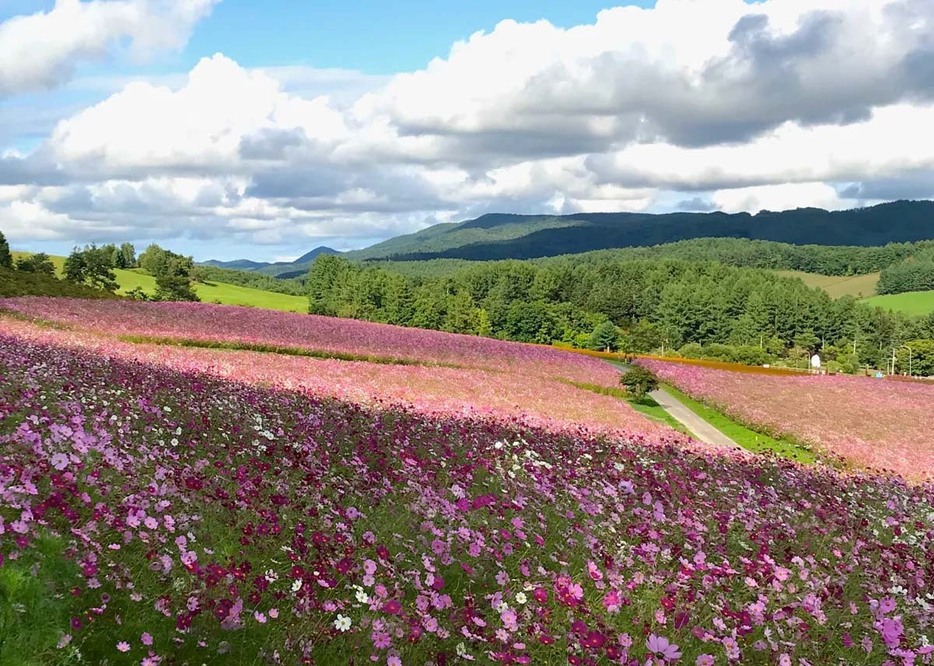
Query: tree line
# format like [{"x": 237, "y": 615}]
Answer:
[
  {"x": 916, "y": 273},
  {"x": 94, "y": 266},
  {"x": 602, "y": 301}
]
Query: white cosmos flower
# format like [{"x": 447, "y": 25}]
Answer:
[{"x": 342, "y": 623}]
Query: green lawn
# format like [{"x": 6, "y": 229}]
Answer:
[
  {"x": 911, "y": 302},
  {"x": 859, "y": 286},
  {"x": 211, "y": 292},
  {"x": 748, "y": 439}
]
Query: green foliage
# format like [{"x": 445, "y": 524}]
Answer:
[
  {"x": 916, "y": 274},
  {"x": 23, "y": 283},
  {"x": 922, "y": 358},
  {"x": 639, "y": 381},
  {"x": 6, "y": 258},
  {"x": 92, "y": 266},
  {"x": 605, "y": 337},
  {"x": 173, "y": 282},
  {"x": 36, "y": 263},
  {"x": 137, "y": 294},
  {"x": 125, "y": 256},
  {"x": 173, "y": 274},
  {"x": 153, "y": 259},
  {"x": 325, "y": 277},
  {"x": 744, "y": 315}
]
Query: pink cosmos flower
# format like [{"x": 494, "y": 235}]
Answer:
[
  {"x": 123, "y": 646},
  {"x": 705, "y": 660},
  {"x": 146, "y": 638},
  {"x": 662, "y": 648},
  {"x": 59, "y": 461}
]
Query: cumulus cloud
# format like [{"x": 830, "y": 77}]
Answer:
[
  {"x": 41, "y": 50},
  {"x": 716, "y": 104}
]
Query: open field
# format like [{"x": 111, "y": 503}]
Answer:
[
  {"x": 167, "y": 504},
  {"x": 212, "y": 292},
  {"x": 912, "y": 302},
  {"x": 858, "y": 286},
  {"x": 872, "y": 423}
]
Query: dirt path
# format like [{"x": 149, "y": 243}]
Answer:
[{"x": 698, "y": 426}]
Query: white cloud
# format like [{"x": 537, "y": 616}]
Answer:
[
  {"x": 777, "y": 104},
  {"x": 41, "y": 50},
  {"x": 776, "y": 197},
  {"x": 198, "y": 126}
]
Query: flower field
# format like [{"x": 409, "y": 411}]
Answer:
[
  {"x": 519, "y": 394},
  {"x": 873, "y": 423},
  {"x": 173, "y": 505},
  {"x": 206, "y": 322}
]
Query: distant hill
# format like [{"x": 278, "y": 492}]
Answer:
[
  {"x": 505, "y": 236},
  {"x": 278, "y": 269}
]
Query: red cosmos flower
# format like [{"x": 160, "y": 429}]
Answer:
[
  {"x": 594, "y": 640},
  {"x": 392, "y": 607}
]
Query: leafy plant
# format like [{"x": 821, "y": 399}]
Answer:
[{"x": 639, "y": 381}]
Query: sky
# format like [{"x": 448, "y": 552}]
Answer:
[{"x": 239, "y": 129}]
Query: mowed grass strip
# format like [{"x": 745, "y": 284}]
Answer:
[
  {"x": 859, "y": 286},
  {"x": 233, "y": 345},
  {"x": 749, "y": 439},
  {"x": 209, "y": 292},
  {"x": 910, "y": 302}
]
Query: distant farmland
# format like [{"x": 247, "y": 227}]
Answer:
[{"x": 858, "y": 286}]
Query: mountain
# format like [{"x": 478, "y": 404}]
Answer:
[
  {"x": 506, "y": 236},
  {"x": 283, "y": 269}
]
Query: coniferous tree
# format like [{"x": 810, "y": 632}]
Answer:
[{"x": 6, "y": 258}]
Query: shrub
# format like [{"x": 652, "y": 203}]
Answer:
[{"x": 639, "y": 381}]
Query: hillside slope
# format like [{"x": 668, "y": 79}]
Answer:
[
  {"x": 127, "y": 280},
  {"x": 500, "y": 236}
]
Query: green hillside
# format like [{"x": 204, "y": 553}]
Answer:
[
  {"x": 502, "y": 236},
  {"x": 911, "y": 302},
  {"x": 858, "y": 286},
  {"x": 210, "y": 292},
  {"x": 20, "y": 283}
]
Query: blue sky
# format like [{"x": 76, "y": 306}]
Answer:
[
  {"x": 323, "y": 123},
  {"x": 373, "y": 36}
]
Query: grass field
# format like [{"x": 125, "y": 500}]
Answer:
[
  {"x": 860, "y": 286},
  {"x": 912, "y": 302},
  {"x": 210, "y": 292}
]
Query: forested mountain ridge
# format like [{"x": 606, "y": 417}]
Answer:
[{"x": 507, "y": 236}]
